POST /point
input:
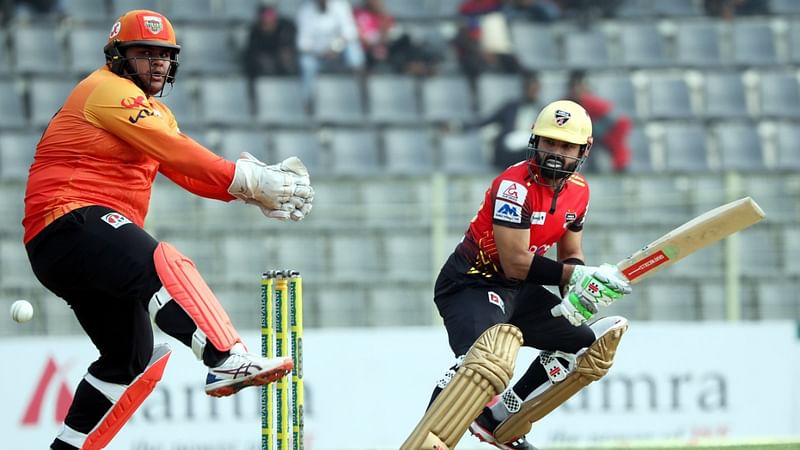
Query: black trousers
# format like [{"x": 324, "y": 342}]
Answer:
[{"x": 106, "y": 274}]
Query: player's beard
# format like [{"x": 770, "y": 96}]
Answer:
[{"x": 554, "y": 167}]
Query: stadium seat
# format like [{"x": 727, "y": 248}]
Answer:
[
  {"x": 15, "y": 270},
  {"x": 338, "y": 100},
  {"x": 241, "y": 11},
  {"x": 303, "y": 143},
  {"x": 776, "y": 194},
  {"x": 677, "y": 9},
  {"x": 446, "y": 98},
  {"x": 641, "y": 159},
  {"x": 11, "y": 205},
  {"x": 87, "y": 11},
  {"x": 553, "y": 86},
  {"x": 38, "y": 50},
  {"x": 181, "y": 98},
  {"x": 304, "y": 252},
  {"x": 635, "y": 9},
  {"x": 194, "y": 11},
  {"x": 392, "y": 99},
  {"x": 199, "y": 43},
  {"x": 712, "y": 300},
  {"x": 235, "y": 141},
  {"x": 261, "y": 253},
  {"x": 739, "y": 146},
  {"x": 788, "y": 150},
  {"x": 779, "y": 95},
  {"x": 685, "y": 147},
  {"x": 535, "y": 45},
  {"x": 794, "y": 40},
  {"x": 784, "y": 7},
  {"x": 753, "y": 43},
  {"x": 408, "y": 151},
  {"x": 463, "y": 153},
  {"x": 586, "y": 49},
  {"x": 642, "y": 46},
  {"x": 120, "y": 7},
  {"x": 759, "y": 251},
  {"x": 669, "y": 98},
  {"x": 610, "y": 203},
  {"x": 617, "y": 88},
  {"x": 493, "y": 90},
  {"x": 12, "y": 111},
  {"x": 86, "y": 48},
  {"x": 392, "y": 306},
  {"x": 408, "y": 255},
  {"x": 355, "y": 256},
  {"x": 47, "y": 97},
  {"x": 661, "y": 199},
  {"x": 355, "y": 152},
  {"x": 16, "y": 154},
  {"x": 395, "y": 202},
  {"x": 669, "y": 301},
  {"x": 225, "y": 101},
  {"x": 778, "y": 300},
  {"x": 697, "y": 43},
  {"x": 724, "y": 96},
  {"x": 342, "y": 306},
  {"x": 279, "y": 101}
]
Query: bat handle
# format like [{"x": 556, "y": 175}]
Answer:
[{"x": 556, "y": 311}]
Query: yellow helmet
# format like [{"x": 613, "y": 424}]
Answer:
[{"x": 564, "y": 120}]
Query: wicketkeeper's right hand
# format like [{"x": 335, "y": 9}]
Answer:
[
  {"x": 588, "y": 287},
  {"x": 282, "y": 191}
]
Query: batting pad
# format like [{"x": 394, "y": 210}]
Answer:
[
  {"x": 130, "y": 400},
  {"x": 186, "y": 286},
  {"x": 485, "y": 372},
  {"x": 590, "y": 366}
]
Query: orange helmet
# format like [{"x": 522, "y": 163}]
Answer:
[{"x": 140, "y": 27}]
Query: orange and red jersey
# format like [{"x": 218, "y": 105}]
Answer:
[
  {"x": 105, "y": 147},
  {"x": 515, "y": 200}
]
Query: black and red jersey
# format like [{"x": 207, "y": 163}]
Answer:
[{"x": 515, "y": 200}]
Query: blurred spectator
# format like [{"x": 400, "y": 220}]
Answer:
[
  {"x": 386, "y": 46},
  {"x": 729, "y": 9},
  {"x": 610, "y": 128},
  {"x": 271, "y": 49},
  {"x": 514, "y": 120},
  {"x": 327, "y": 39},
  {"x": 483, "y": 41}
]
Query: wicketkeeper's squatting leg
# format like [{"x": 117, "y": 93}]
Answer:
[
  {"x": 587, "y": 366},
  {"x": 486, "y": 370}
]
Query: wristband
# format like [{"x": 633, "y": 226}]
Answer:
[
  {"x": 545, "y": 271},
  {"x": 574, "y": 261}
]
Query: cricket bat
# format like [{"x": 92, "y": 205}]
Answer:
[
  {"x": 690, "y": 237},
  {"x": 700, "y": 232}
]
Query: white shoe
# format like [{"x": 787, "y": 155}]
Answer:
[{"x": 243, "y": 369}]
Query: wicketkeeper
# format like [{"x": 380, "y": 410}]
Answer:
[
  {"x": 86, "y": 201},
  {"x": 492, "y": 298}
]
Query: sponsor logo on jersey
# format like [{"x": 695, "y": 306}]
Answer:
[
  {"x": 143, "y": 113},
  {"x": 537, "y": 218},
  {"x": 497, "y": 300},
  {"x": 512, "y": 191},
  {"x": 132, "y": 102},
  {"x": 116, "y": 220},
  {"x": 507, "y": 211},
  {"x": 562, "y": 117}
]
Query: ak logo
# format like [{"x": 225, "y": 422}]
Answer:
[{"x": 52, "y": 380}]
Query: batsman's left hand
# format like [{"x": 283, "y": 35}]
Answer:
[{"x": 590, "y": 286}]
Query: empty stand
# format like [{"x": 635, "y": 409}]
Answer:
[
  {"x": 38, "y": 50},
  {"x": 408, "y": 256},
  {"x": 338, "y": 100},
  {"x": 494, "y": 90},
  {"x": 685, "y": 147},
  {"x": 355, "y": 152},
  {"x": 642, "y": 45},
  {"x": 724, "y": 96},
  {"x": 408, "y": 151},
  {"x": 779, "y": 94},
  {"x": 279, "y": 101},
  {"x": 669, "y": 98},
  {"x": 206, "y": 49},
  {"x": 181, "y": 98},
  {"x": 641, "y": 159},
  {"x": 463, "y": 153},
  {"x": 400, "y": 305},
  {"x": 586, "y": 49},
  {"x": 739, "y": 146},
  {"x": 446, "y": 98},
  {"x": 46, "y": 98},
  {"x": 5, "y": 54},
  {"x": 87, "y": 11},
  {"x": 235, "y": 141},
  {"x": 753, "y": 43},
  {"x": 777, "y": 300},
  {"x": 355, "y": 257},
  {"x": 225, "y": 101},
  {"x": 392, "y": 99},
  {"x": 303, "y": 143},
  {"x": 697, "y": 43},
  {"x": 788, "y": 150},
  {"x": 759, "y": 251},
  {"x": 16, "y": 154},
  {"x": 194, "y": 11},
  {"x": 120, "y": 7},
  {"x": 86, "y": 48},
  {"x": 12, "y": 111},
  {"x": 616, "y": 87},
  {"x": 669, "y": 301},
  {"x": 535, "y": 45}
]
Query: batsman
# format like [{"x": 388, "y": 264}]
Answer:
[{"x": 492, "y": 297}]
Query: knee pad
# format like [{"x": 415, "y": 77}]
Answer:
[
  {"x": 183, "y": 283},
  {"x": 485, "y": 371},
  {"x": 590, "y": 365}
]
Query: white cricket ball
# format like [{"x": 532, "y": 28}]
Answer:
[{"x": 21, "y": 311}]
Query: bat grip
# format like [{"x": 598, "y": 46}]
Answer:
[{"x": 555, "y": 311}]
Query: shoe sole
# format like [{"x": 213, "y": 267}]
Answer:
[
  {"x": 260, "y": 379},
  {"x": 484, "y": 435}
]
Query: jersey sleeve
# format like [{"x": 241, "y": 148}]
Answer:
[
  {"x": 120, "y": 108},
  {"x": 510, "y": 203}
]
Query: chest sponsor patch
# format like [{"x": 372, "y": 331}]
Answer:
[
  {"x": 512, "y": 191},
  {"x": 497, "y": 300},
  {"x": 507, "y": 211},
  {"x": 537, "y": 218},
  {"x": 116, "y": 220}
]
